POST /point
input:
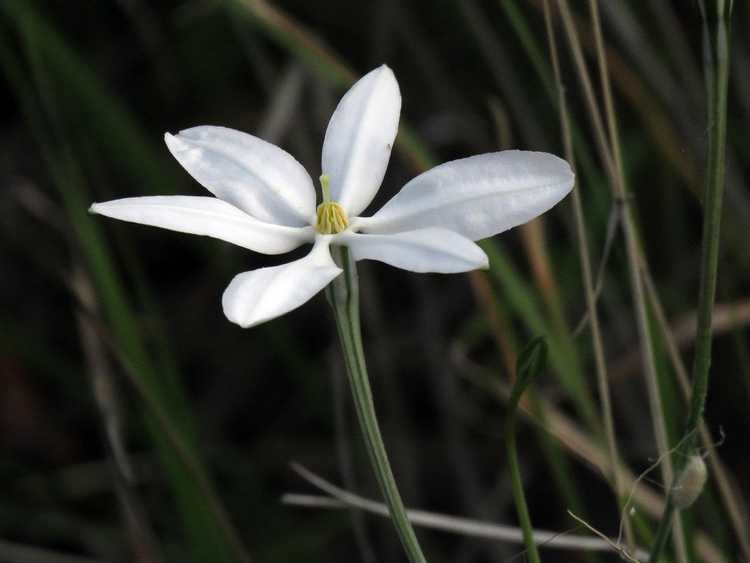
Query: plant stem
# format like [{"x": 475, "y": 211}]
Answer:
[
  {"x": 517, "y": 485},
  {"x": 588, "y": 284},
  {"x": 662, "y": 534},
  {"x": 716, "y": 48},
  {"x": 343, "y": 295},
  {"x": 531, "y": 361},
  {"x": 733, "y": 502},
  {"x": 609, "y": 146}
]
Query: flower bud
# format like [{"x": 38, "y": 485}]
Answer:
[{"x": 690, "y": 483}]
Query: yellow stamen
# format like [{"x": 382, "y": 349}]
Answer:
[{"x": 331, "y": 218}]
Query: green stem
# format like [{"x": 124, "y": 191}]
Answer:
[
  {"x": 716, "y": 26},
  {"x": 588, "y": 284},
  {"x": 517, "y": 485},
  {"x": 343, "y": 295},
  {"x": 716, "y": 45},
  {"x": 662, "y": 534}
]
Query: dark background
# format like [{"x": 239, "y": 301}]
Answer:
[{"x": 89, "y": 88}]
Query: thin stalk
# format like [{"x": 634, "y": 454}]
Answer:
[
  {"x": 346, "y": 462},
  {"x": 662, "y": 534},
  {"x": 338, "y": 498},
  {"x": 654, "y": 395},
  {"x": 588, "y": 285},
  {"x": 733, "y": 502},
  {"x": 530, "y": 363},
  {"x": 343, "y": 295},
  {"x": 716, "y": 50},
  {"x": 609, "y": 145},
  {"x": 579, "y": 444},
  {"x": 517, "y": 486},
  {"x": 716, "y": 45}
]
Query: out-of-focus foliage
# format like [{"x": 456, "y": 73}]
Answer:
[{"x": 113, "y": 330}]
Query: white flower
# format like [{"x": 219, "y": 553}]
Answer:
[{"x": 265, "y": 201}]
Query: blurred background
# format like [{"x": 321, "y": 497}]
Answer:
[{"x": 138, "y": 424}]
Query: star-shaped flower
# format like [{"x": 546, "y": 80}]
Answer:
[{"x": 265, "y": 201}]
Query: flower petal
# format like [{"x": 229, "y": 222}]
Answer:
[
  {"x": 248, "y": 172},
  {"x": 359, "y": 138},
  {"x": 424, "y": 250},
  {"x": 258, "y": 296},
  {"x": 478, "y": 196},
  {"x": 206, "y": 216}
]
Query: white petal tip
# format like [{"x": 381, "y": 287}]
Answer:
[
  {"x": 237, "y": 314},
  {"x": 359, "y": 139},
  {"x": 93, "y": 208},
  {"x": 257, "y": 296},
  {"x": 174, "y": 143},
  {"x": 481, "y": 261},
  {"x": 563, "y": 168},
  {"x": 238, "y": 322},
  {"x": 180, "y": 143},
  {"x": 384, "y": 68},
  {"x": 478, "y": 196}
]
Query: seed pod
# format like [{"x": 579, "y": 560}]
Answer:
[{"x": 690, "y": 483}]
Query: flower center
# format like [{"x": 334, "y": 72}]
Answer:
[{"x": 331, "y": 218}]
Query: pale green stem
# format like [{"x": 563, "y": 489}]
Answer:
[
  {"x": 343, "y": 295},
  {"x": 517, "y": 485},
  {"x": 716, "y": 45}
]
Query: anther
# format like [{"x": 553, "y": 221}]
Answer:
[{"x": 331, "y": 218}]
